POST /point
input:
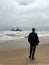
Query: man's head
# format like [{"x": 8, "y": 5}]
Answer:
[{"x": 33, "y": 29}]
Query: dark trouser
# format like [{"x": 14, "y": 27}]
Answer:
[{"x": 32, "y": 50}]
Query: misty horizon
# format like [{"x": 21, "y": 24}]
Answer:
[{"x": 8, "y": 28}]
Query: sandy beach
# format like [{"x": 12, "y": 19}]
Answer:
[
  {"x": 16, "y": 52},
  {"x": 22, "y": 21}
]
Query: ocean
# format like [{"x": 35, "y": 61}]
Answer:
[{"x": 11, "y": 35}]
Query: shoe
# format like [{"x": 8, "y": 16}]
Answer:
[
  {"x": 33, "y": 58},
  {"x": 29, "y": 56}
]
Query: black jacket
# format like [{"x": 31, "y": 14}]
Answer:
[{"x": 33, "y": 38}]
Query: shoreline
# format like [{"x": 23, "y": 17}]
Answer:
[{"x": 20, "y": 43}]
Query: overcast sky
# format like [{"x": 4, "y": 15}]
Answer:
[{"x": 27, "y": 13}]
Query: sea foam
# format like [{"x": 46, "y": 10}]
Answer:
[{"x": 10, "y": 35}]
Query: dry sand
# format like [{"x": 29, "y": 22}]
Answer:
[{"x": 20, "y": 56}]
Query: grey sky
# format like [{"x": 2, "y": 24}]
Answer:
[{"x": 24, "y": 13}]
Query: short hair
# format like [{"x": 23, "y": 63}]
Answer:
[{"x": 33, "y": 29}]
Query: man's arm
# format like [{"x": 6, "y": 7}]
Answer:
[
  {"x": 29, "y": 38},
  {"x": 37, "y": 39}
]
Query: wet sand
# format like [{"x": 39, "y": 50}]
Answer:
[{"x": 11, "y": 55}]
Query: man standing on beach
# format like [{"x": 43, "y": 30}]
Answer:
[{"x": 33, "y": 40}]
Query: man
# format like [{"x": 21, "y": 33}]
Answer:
[{"x": 33, "y": 40}]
